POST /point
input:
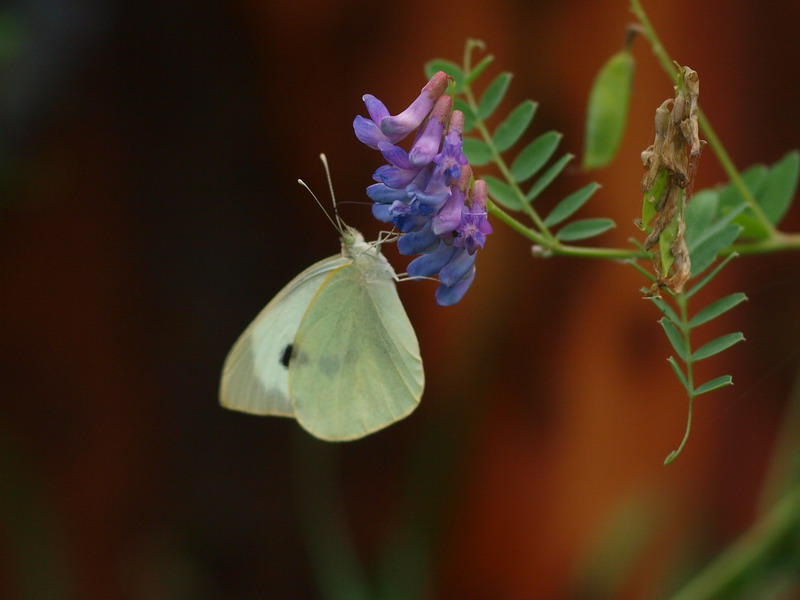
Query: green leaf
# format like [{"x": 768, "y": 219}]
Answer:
[
  {"x": 608, "y": 110},
  {"x": 581, "y": 230},
  {"x": 477, "y": 152},
  {"x": 665, "y": 308},
  {"x": 700, "y": 237},
  {"x": 704, "y": 254},
  {"x": 718, "y": 345},
  {"x": 773, "y": 188},
  {"x": 700, "y": 213},
  {"x": 534, "y": 156},
  {"x": 679, "y": 372},
  {"x": 571, "y": 204},
  {"x": 780, "y": 187},
  {"x": 732, "y": 201},
  {"x": 716, "y": 309},
  {"x": 510, "y": 130},
  {"x": 675, "y": 338},
  {"x": 753, "y": 179},
  {"x": 478, "y": 70},
  {"x": 449, "y": 67},
  {"x": 548, "y": 176},
  {"x": 469, "y": 115},
  {"x": 730, "y": 197},
  {"x": 502, "y": 193},
  {"x": 493, "y": 95},
  {"x": 714, "y": 384}
]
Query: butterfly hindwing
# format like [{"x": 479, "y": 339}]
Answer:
[{"x": 255, "y": 375}]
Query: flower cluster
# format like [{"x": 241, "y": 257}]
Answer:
[{"x": 425, "y": 192}]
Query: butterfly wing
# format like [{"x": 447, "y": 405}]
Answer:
[
  {"x": 356, "y": 365},
  {"x": 255, "y": 374}
]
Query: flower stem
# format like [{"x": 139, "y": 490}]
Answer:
[
  {"x": 514, "y": 224},
  {"x": 554, "y": 247},
  {"x": 590, "y": 252}
]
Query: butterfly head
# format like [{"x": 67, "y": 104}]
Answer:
[{"x": 351, "y": 238}]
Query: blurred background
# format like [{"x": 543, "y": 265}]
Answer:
[{"x": 149, "y": 153}]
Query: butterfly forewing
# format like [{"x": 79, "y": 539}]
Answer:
[
  {"x": 356, "y": 365},
  {"x": 255, "y": 374}
]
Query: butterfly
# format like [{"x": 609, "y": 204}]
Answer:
[{"x": 333, "y": 349}]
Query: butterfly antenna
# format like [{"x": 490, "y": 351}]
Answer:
[
  {"x": 324, "y": 160},
  {"x": 336, "y": 223}
]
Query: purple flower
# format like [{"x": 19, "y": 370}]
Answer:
[
  {"x": 407, "y": 208},
  {"x": 381, "y": 127},
  {"x": 428, "y": 192},
  {"x": 382, "y": 212},
  {"x": 382, "y": 193},
  {"x": 406, "y": 216},
  {"x": 449, "y": 295},
  {"x": 474, "y": 226},
  {"x": 394, "y": 177},
  {"x": 451, "y": 159},
  {"x": 448, "y": 219},
  {"x": 428, "y": 265},
  {"x": 459, "y": 265},
  {"x": 408, "y": 120},
  {"x": 427, "y": 145},
  {"x": 421, "y": 240}
]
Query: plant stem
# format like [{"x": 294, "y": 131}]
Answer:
[
  {"x": 591, "y": 252},
  {"x": 713, "y": 140},
  {"x": 782, "y": 471},
  {"x": 778, "y": 242},
  {"x": 332, "y": 552},
  {"x": 642, "y": 271},
  {"x": 683, "y": 306},
  {"x": 762, "y": 539},
  {"x": 556, "y": 248},
  {"x": 533, "y": 235}
]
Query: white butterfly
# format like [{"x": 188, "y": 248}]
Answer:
[{"x": 334, "y": 349}]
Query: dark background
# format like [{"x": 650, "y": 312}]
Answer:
[{"x": 149, "y": 153}]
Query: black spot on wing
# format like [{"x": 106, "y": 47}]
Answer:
[{"x": 286, "y": 355}]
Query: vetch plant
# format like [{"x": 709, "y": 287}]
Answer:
[
  {"x": 433, "y": 192},
  {"x": 686, "y": 230}
]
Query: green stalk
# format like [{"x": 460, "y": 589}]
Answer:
[
  {"x": 533, "y": 235},
  {"x": 591, "y": 252},
  {"x": 556, "y": 248},
  {"x": 763, "y": 539},
  {"x": 784, "y": 464},
  {"x": 776, "y": 243},
  {"x": 331, "y": 548}
]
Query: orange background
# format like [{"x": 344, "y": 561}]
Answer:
[{"x": 151, "y": 209}]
